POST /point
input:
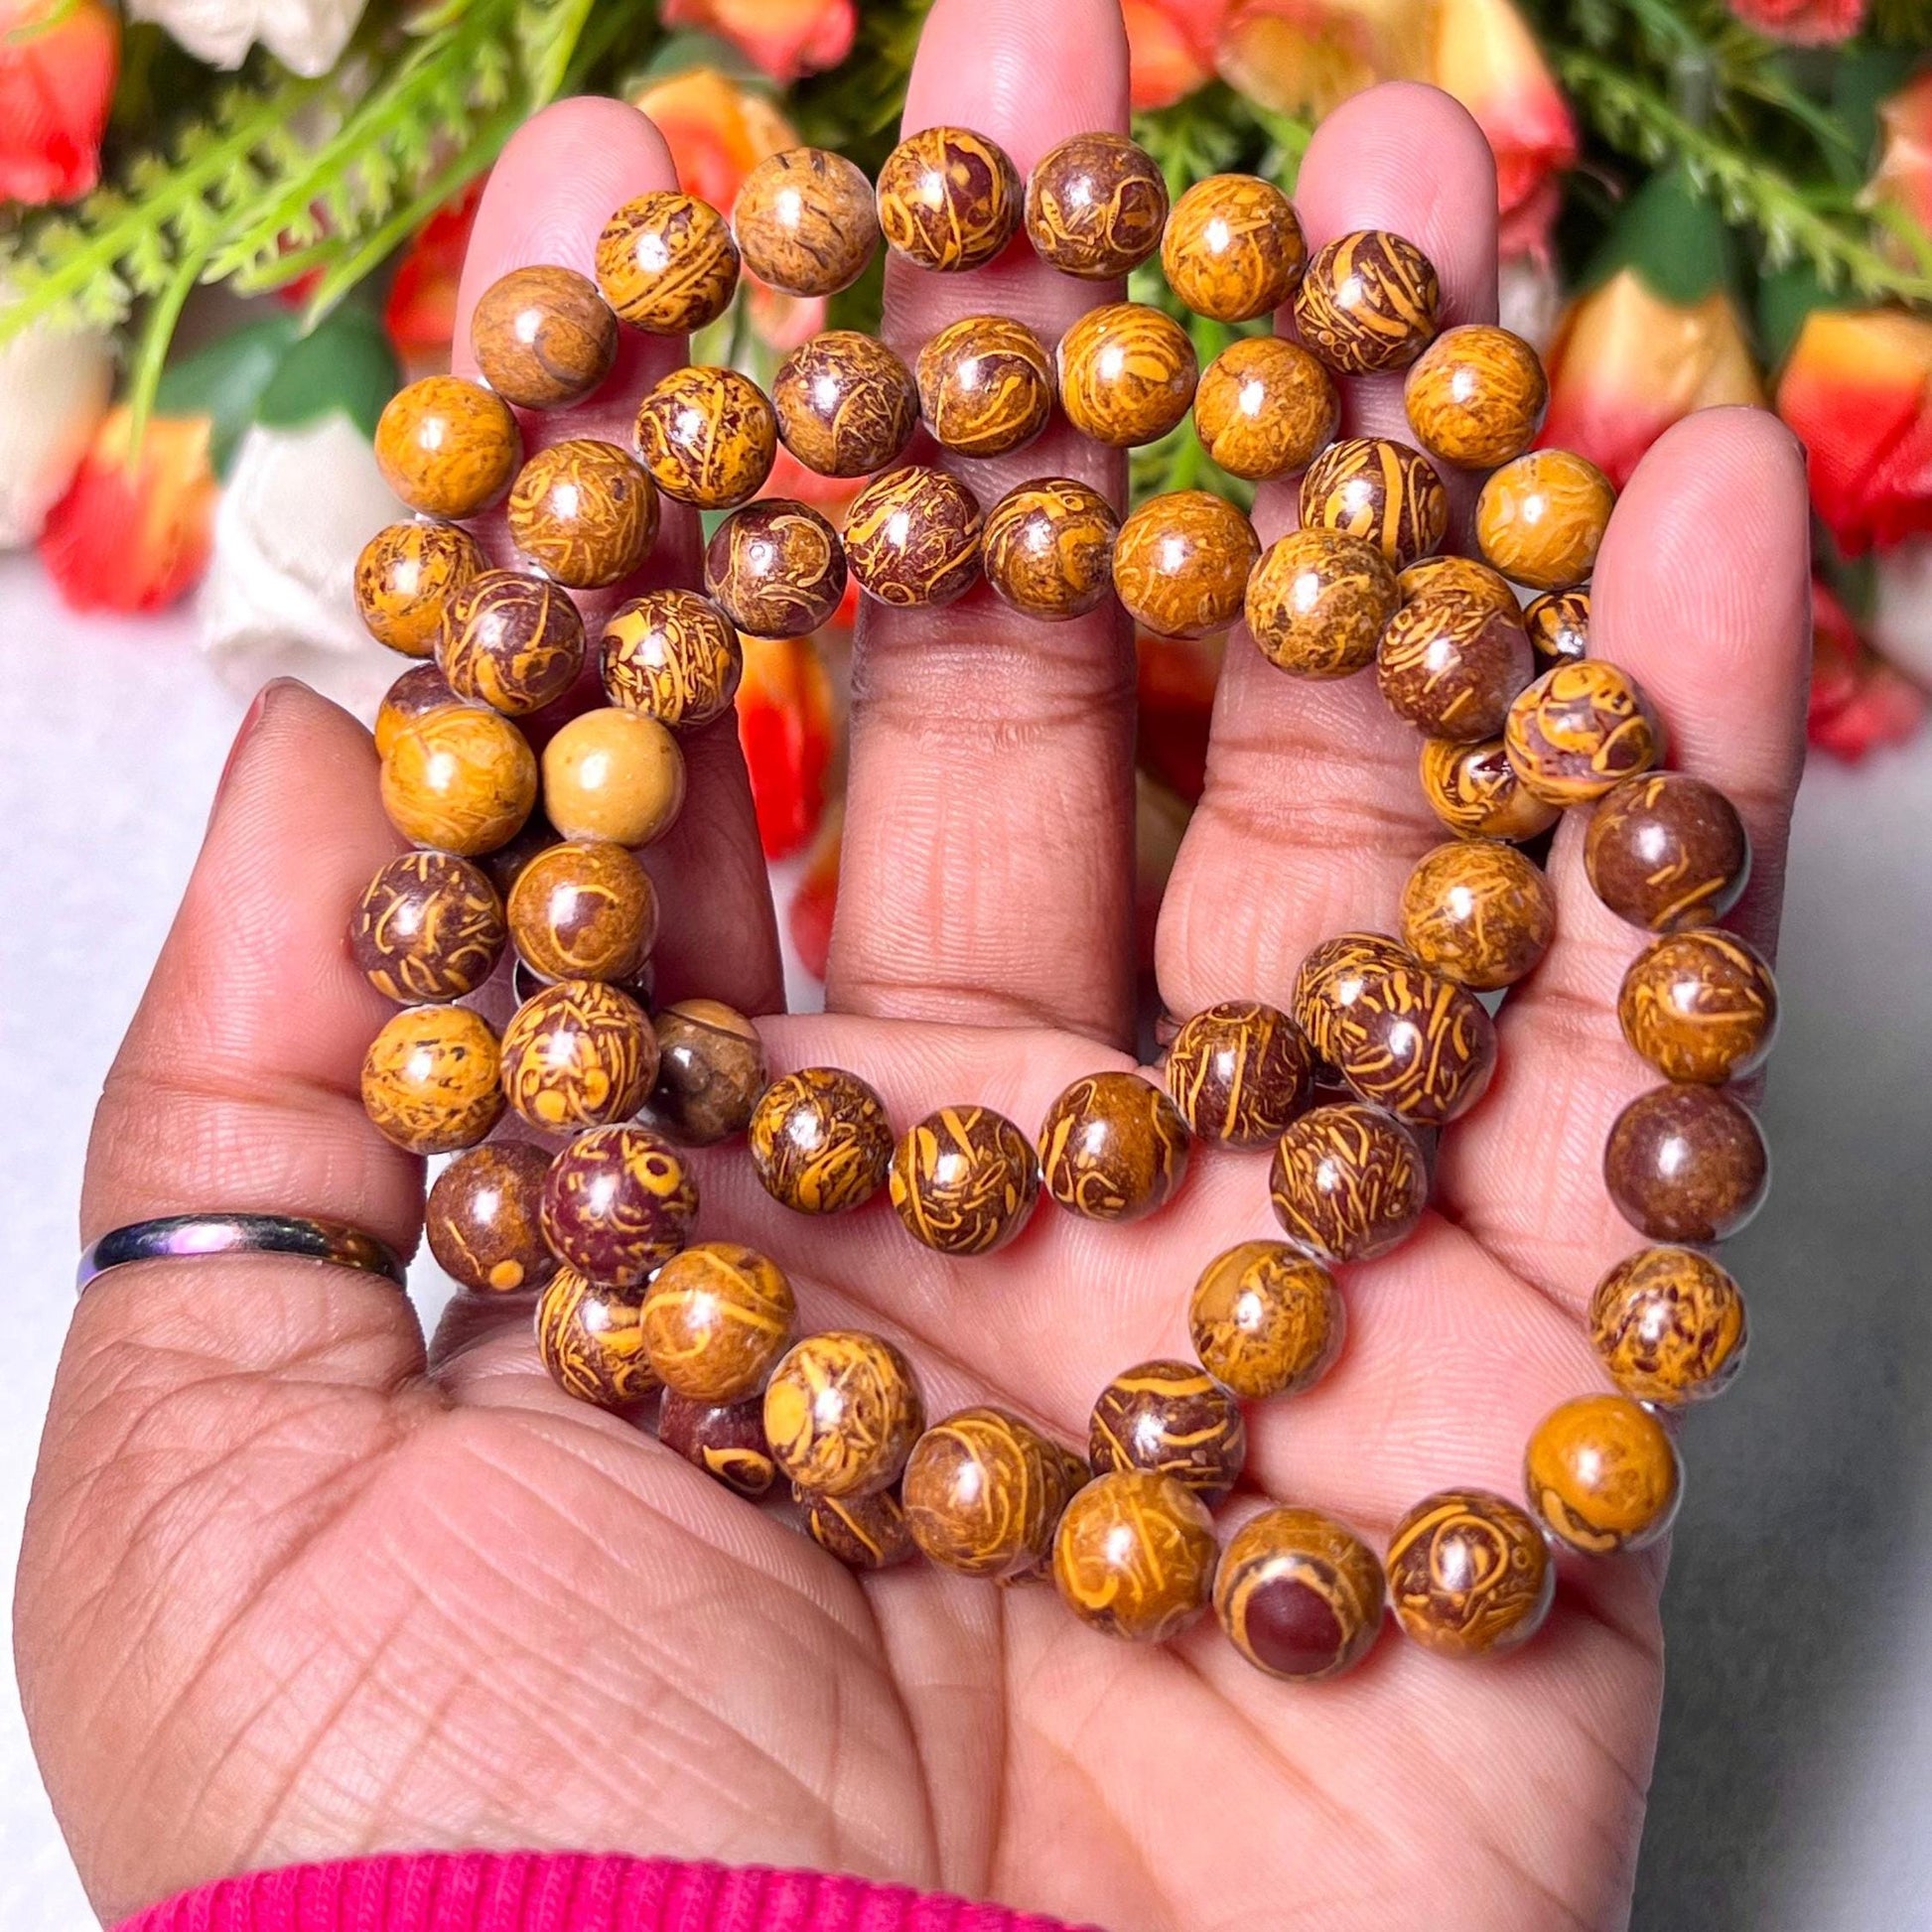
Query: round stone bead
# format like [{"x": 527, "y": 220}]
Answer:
[
  {"x": 1127, "y": 374},
  {"x": 1299, "y": 1595},
  {"x": 846, "y": 404},
  {"x": 1095, "y": 207},
  {"x": 805, "y": 223},
  {"x": 1559, "y": 625},
  {"x": 611, "y": 774},
  {"x": 1470, "y": 1573},
  {"x": 590, "y": 1339},
  {"x": 986, "y": 386},
  {"x": 1540, "y": 519},
  {"x": 1049, "y": 548},
  {"x": 1700, "y": 1007},
  {"x": 949, "y": 198},
  {"x": 667, "y": 265},
  {"x": 864, "y": 1533},
  {"x": 964, "y": 1179},
  {"x": 1182, "y": 563},
  {"x": 512, "y": 641},
  {"x": 405, "y": 575},
  {"x": 579, "y": 1053},
  {"x": 483, "y": 1219},
  {"x": 707, "y": 437},
  {"x": 1172, "y": 1418},
  {"x": 1602, "y": 1473},
  {"x": 1667, "y": 852},
  {"x": 716, "y": 1319},
  {"x": 1239, "y": 1071},
  {"x": 460, "y": 778},
  {"x": 429, "y": 1079},
  {"x": 1367, "y": 303},
  {"x": 1233, "y": 249},
  {"x": 1450, "y": 665},
  {"x": 1334, "y": 976},
  {"x": 981, "y": 1493},
  {"x": 1318, "y": 602},
  {"x": 616, "y": 1203},
  {"x": 428, "y": 926},
  {"x": 1417, "y": 1045},
  {"x": 776, "y": 568},
  {"x": 820, "y": 1140},
  {"x": 447, "y": 447},
  {"x": 1476, "y": 395},
  {"x": 1113, "y": 1148},
  {"x": 420, "y": 690},
  {"x": 1687, "y": 1163},
  {"x": 543, "y": 338},
  {"x": 1347, "y": 1182},
  {"x": 1134, "y": 1555},
  {"x": 1580, "y": 731},
  {"x": 1462, "y": 575},
  {"x": 726, "y": 1440},
  {"x": 842, "y": 1412},
  {"x": 1264, "y": 407},
  {"x": 1669, "y": 1326},
  {"x": 1266, "y": 1321},
  {"x": 1380, "y": 491},
  {"x": 1478, "y": 912},
  {"x": 710, "y": 1073},
  {"x": 672, "y": 655},
  {"x": 912, "y": 538},
  {"x": 585, "y": 511},
  {"x": 1475, "y": 790}
]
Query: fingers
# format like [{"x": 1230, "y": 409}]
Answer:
[{"x": 988, "y": 865}]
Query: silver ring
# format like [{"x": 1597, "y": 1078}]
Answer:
[{"x": 194, "y": 1237}]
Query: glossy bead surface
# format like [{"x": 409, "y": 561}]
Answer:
[
  {"x": 1450, "y": 665},
  {"x": 981, "y": 1493},
  {"x": 1475, "y": 396},
  {"x": 1095, "y": 207},
  {"x": 1367, "y": 303},
  {"x": 1233, "y": 249},
  {"x": 611, "y": 774},
  {"x": 667, "y": 265},
  {"x": 1579, "y": 731},
  {"x": 1318, "y": 602},
  {"x": 710, "y": 1073},
  {"x": 1669, "y": 1326},
  {"x": 1047, "y": 548},
  {"x": 1173, "y": 1419},
  {"x": 463, "y": 780},
  {"x": 579, "y": 1053},
  {"x": 672, "y": 655},
  {"x": 964, "y": 1179},
  {"x": 420, "y": 690},
  {"x": 1479, "y": 913},
  {"x": 986, "y": 386},
  {"x": 1347, "y": 1182},
  {"x": 1602, "y": 1473},
  {"x": 1685, "y": 1163},
  {"x": 1334, "y": 976},
  {"x": 1126, "y": 374},
  {"x": 726, "y": 1440},
  {"x": 589, "y": 1338},
  {"x": 483, "y": 1219},
  {"x": 842, "y": 1412},
  {"x": 543, "y": 338},
  {"x": 447, "y": 447},
  {"x": 1239, "y": 1071},
  {"x": 1113, "y": 1148},
  {"x": 618, "y": 1201},
  {"x": 1299, "y": 1594},
  {"x": 428, "y": 926},
  {"x": 1266, "y": 1321},
  {"x": 805, "y": 223},
  {"x": 707, "y": 437},
  {"x": 512, "y": 641},
  {"x": 1182, "y": 563},
  {"x": 912, "y": 538},
  {"x": 949, "y": 198},
  {"x": 776, "y": 568},
  {"x": 1559, "y": 625},
  {"x": 1264, "y": 407},
  {"x": 1539, "y": 520},
  {"x": 1382, "y": 492},
  {"x": 1134, "y": 1555},
  {"x": 1470, "y": 1573},
  {"x": 864, "y": 1533},
  {"x": 1463, "y": 575},
  {"x": 820, "y": 1140},
  {"x": 1417, "y": 1045},
  {"x": 1475, "y": 790},
  {"x": 1667, "y": 852},
  {"x": 846, "y": 404},
  {"x": 716, "y": 1319},
  {"x": 405, "y": 575},
  {"x": 585, "y": 511},
  {"x": 429, "y": 1079},
  {"x": 1699, "y": 1007}
]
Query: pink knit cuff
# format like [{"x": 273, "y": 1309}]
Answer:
[{"x": 563, "y": 1891}]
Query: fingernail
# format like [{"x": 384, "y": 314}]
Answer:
[{"x": 250, "y": 724}]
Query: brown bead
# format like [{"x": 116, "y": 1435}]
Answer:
[
  {"x": 481, "y": 1218},
  {"x": 981, "y": 1494},
  {"x": 1266, "y": 1321},
  {"x": 842, "y": 1412},
  {"x": 1134, "y": 1555},
  {"x": 1264, "y": 407},
  {"x": 1095, "y": 207},
  {"x": 1418, "y": 1044},
  {"x": 1182, "y": 563},
  {"x": 428, "y": 926},
  {"x": 512, "y": 641},
  {"x": 667, "y": 263},
  {"x": 420, "y": 690},
  {"x": 726, "y": 1440},
  {"x": 1367, "y": 303},
  {"x": 579, "y": 1053},
  {"x": 672, "y": 655},
  {"x": 429, "y": 1079},
  {"x": 590, "y": 1339},
  {"x": 1239, "y": 1071},
  {"x": 1579, "y": 731},
  {"x": 1470, "y": 1573},
  {"x": 1685, "y": 1163},
  {"x": 846, "y": 404},
  {"x": 1451, "y": 666},
  {"x": 948, "y": 198},
  {"x": 1299, "y": 1595},
  {"x": 1318, "y": 603},
  {"x": 805, "y": 223},
  {"x": 1233, "y": 249},
  {"x": 1540, "y": 519},
  {"x": 1669, "y": 1326},
  {"x": 1464, "y": 574},
  {"x": 618, "y": 1202},
  {"x": 1382, "y": 492},
  {"x": 710, "y": 1073},
  {"x": 986, "y": 386},
  {"x": 1476, "y": 395},
  {"x": 707, "y": 437},
  {"x": 716, "y": 1318},
  {"x": 1699, "y": 1007},
  {"x": 1602, "y": 1473},
  {"x": 964, "y": 1179},
  {"x": 611, "y": 774},
  {"x": 1113, "y": 1148},
  {"x": 585, "y": 511},
  {"x": 776, "y": 568},
  {"x": 1479, "y": 913},
  {"x": 1559, "y": 625},
  {"x": 462, "y": 778},
  {"x": 447, "y": 447},
  {"x": 1049, "y": 548},
  {"x": 1126, "y": 374},
  {"x": 1334, "y": 976},
  {"x": 1172, "y": 1418},
  {"x": 820, "y": 1140},
  {"x": 1475, "y": 790},
  {"x": 1667, "y": 852},
  {"x": 543, "y": 338},
  {"x": 1347, "y": 1182},
  {"x": 406, "y": 574},
  {"x": 912, "y": 538},
  {"x": 864, "y": 1533}
]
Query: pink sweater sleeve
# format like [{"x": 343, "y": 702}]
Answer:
[{"x": 563, "y": 1891}]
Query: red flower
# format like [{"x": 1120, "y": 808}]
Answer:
[
  {"x": 1858, "y": 701},
  {"x": 785, "y": 725},
  {"x": 58, "y": 62},
  {"x": 1170, "y": 48},
  {"x": 786, "y": 38},
  {"x": 1803, "y": 23},
  {"x": 1176, "y": 680},
  {"x": 420, "y": 313},
  {"x": 808, "y": 919}
]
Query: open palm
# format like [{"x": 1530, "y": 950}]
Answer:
[{"x": 295, "y": 1588}]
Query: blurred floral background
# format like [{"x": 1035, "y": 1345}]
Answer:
[{"x": 230, "y": 229}]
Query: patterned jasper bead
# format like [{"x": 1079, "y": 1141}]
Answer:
[
  {"x": 912, "y": 538},
  {"x": 1318, "y": 603},
  {"x": 461, "y": 778},
  {"x": 948, "y": 198},
  {"x": 1049, "y": 548},
  {"x": 716, "y": 1319},
  {"x": 842, "y": 1412},
  {"x": 617, "y": 1202},
  {"x": 1334, "y": 976},
  {"x": 805, "y": 223},
  {"x": 776, "y": 568},
  {"x": 1540, "y": 519},
  {"x": 1182, "y": 563},
  {"x": 864, "y": 1533},
  {"x": 428, "y": 926},
  {"x": 585, "y": 511},
  {"x": 420, "y": 690},
  {"x": 672, "y": 655},
  {"x": 1233, "y": 249},
  {"x": 1367, "y": 303},
  {"x": 1127, "y": 374},
  {"x": 406, "y": 574},
  {"x": 1382, "y": 492},
  {"x": 1299, "y": 1595},
  {"x": 1239, "y": 1071},
  {"x": 1669, "y": 1326},
  {"x": 981, "y": 1493},
  {"x": 1095, "y": 207},
  {"x": 1450, "y": 665},
  {"x": 1667, "y": 852},
  {"x": 483, "y": 1219},
  {"x": 1559, "y": 625},
  {"x": 820, "y": 1140},
  {"x": 986, "y": 386},
  {"x": 846, "y": 404},
  {"x": 447, "y": 447},
  {"x": 1172, "y": 1418},
  {"x": 611, "y": 774},
  {"x": 1266, "y": 1321},
  {"x": 1580, "y": 729},
  {"x": 726, "y": 1440},
  {"x": 1479, "y": 913},
  {"x": 1264, "y": 407},
  {"x": 1685, "y": 1163},
  {"x": 512, "y": 641},
  {"x": 429, "y": 1079},
  {"x": 579, "y": 1053},
  {"x": 590, "y": 1339},
  {"x": 1699, "y": 1007},
  {"x": 1417, "y": 1045},
  {"x": 710, "y": 1073},
  {"x": 667, "y": 263},
  {"x": 543, "y": 338},
  {"x": 1113, "y": 1148},
  {"x": 707, "y": 437},
  {"x": 1461, "y": 574},
  {"x": 964, "y": 1180},
  {"x": 1475, "y": 790},
  {"x": 1347, "y": 1182},
  {"x": 1476, "y": 395},
  {"x": 1602, "y": 1473},
  {"x": 1134, "y": 1555},
  {"x": 1470, "y": 1573}
]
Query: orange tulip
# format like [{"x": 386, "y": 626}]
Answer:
[
  {"x": 57, "y": 63},
  {"x": 715, "y": 130},
  {"x": 1803, "y": 23},
  {"x": 815, "y": 901},
  {"x": 786, "y": 726},
  {"x": 1305, "y": 57},
  {"x": 1170, "y": 48},
  {"x": 785, "y": 38},
  {"x": 1176, "y": 680},
  {"x": 1902, "y": 181},
  {"x": 1858, "y": 701}
]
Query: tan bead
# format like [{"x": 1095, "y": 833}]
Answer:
[
  {"x": 1113, "y": 1148},
  {"x": 1475, "y": 790},
  {"x": 1047, "y": 548},
  {"x": 711, "y": 1071},
  {"x": 1464, "y": 575},
  {"x": 1382, "y": 492},
  {"x": 1479, "y": 913},
  {"x": 716, "y": 1318},
  {"x": 1450, "y": 665},
  {"x": 1602, "y": 1473},
  {"x": 590, "y": 1336},
  {"x": 1264, "y": 407},
  {"x": 948, "y": 198},
  {"x": 447, "y": 447},
  {"x": 1470, "y": 1573},
  {"x": 429, "y": 1079},
  {"x": 1668, "y": 1323},
  {"x": 1699, "y": 1007},
  {"x": 584, "y": 911},
  {"x": 462, "y": 779},
  {"x": 820, "y": 1140},
  {"x": 805, "y": 223},
  {"x": 667, "y": 265},
  {"x": 512, "y": 641},
  {"x": 1233, "y": 249},
  {"x": 912, "y": 538},
  {"x": 776, "y": 568},
  {"x": 1540, "y": 519},
  {"x": 1318, "y": 603},
  {"x": 584, "y": 510},
  {"x": 1367, "y": 303},
  {"x": 982, "y": 1496},
  {"x": 1559, "y": 625},
  {"x": 986, "y": 386},
  {"x": 1348, "y": 1183},
  {"x": 1239, "y": 1071},
  {"x": 1266, "y": 1321},
  {"x": 405, "y": 576},
  {"x": 842, "y": 1412},
  {"x": 1172, "y": 1418},
  {"x": 1134, "y": 1555},
  {"x": 1125, "y": 374},
  {"x": 1335, "y": 977},
  {"x": 1476, "y": 395},
  {"x": 1182, "y": 563},
  {"x": 1580, "y": 729},
  {"x": 428, "y": 926},
  {"x": 543, "y": 338},
  {"x": 611, "y": 774},
  {"x": 846, "y": 404},
  {"x": 672, "y": 655},
  {"x": 1299, "y": 1595},
  {"x": 964, "y": 1180},
  {"x": 707, "y": 437},
  {"x": 579, "y": 1053},
  {"x": 1095, "y": 207}
]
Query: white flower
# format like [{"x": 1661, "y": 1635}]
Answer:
[
  {"x": 54, "y": 389},
  {"x": 305, "y": 36},
  {"x": 1901, "y": 613}
]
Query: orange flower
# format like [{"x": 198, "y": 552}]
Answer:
[
  {"x": 420, "y": 313},
  {"x": 1858, "y": 701},
  {"x": 1803, "y": 23},
  {"x": 133, "y": 531},
  {"x": 1170, "y": 48},
  {"x": 57, "y": 63},
  {"x": 786, "y": 38},
  {"x": 715, "y": 130},
  {"x": 1902, "y": 181},
  {"x": 786, "y": 726},
  {"x": 808, "y": 919},
  {"x": 1305, "y": 57},
  {"x": 1176, "y": 680}
]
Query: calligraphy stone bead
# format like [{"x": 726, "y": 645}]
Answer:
[
  {"x": 672, "y": 655},
  {"x": 912, "y": 538},
  {"x": 864, "y": 1533},
  {"x": 1540, "y": 519},
  {"x": 1418, "y": 1044},
  {"x": 1602, "y": 1473},
  {"x": 776, "y": 568},
  {"x": 1380, "y": 491},
  {"x": 1667, "y": 852},
  {"x": 667, "y": 265},
  {"x": 590, "y": 1339},
  {"x": 1182, "y": 563},
  {"x": 1475, "y": 790},
  {"x": 1334, "y": 976},
  {"x": 618, "y": 1202},
  {"x": 1095, "y": 207},
  {"x": 1559, "y": 625},
  {"x": 1450, "y": 665},
  {"x": 1299, "y": 1595},
  {"x": 1580, "y": 731},
  {"x": 846, "y": 404},
  {"x": 483, "y": 1219},
  {"x": 1461, "y": 574},
  {"x": 1239, "y": 1071},
  {"x": 611, "y": 775},
  {"x": 726, "y": 1440},
  {"x": 584, "y": 510},
  {"x": 1700, "y": 1007},
  {"x": 1348, "y": 1183},
  {"x": 447, "y": 447},
  {"x": 420, "y": 690},
  {"x": 1172, "y": 1418},
  {"x": 707, "y": 437},
  {"x": 842, "y": 1412},
  {"x": 1127, "y": 374},
  {"x": 964, "y": 1179},
  {"x": 1049, "y": 548},
  {"x": 429, "y": 1079},
  {"x": 716, "y": 1319},
  {"x": 949, "y": 198},
  {"x": 804, "y": 221},
  {"x": 1266, "y": 1321},
  {"x": 428, "y": 926},
  {"x": 579, "y": 1053},
  {"x": 461, "y": 778},
  {"x": 1685, "y": 1163},
  {"x": 1669, "y": 1326},
  {"x": 986, "y": 386},
  {"x": 512, "y": 641},
  {"x": 710, "y": 1073},
  {"x": 1264, "y": 407},
  {"x": 820, "y": 1140},
  {"x": 1479, "y": 913},
  {"x": 1233, "y": 249},
  {"x": 1113, "y": 1148},
  {"x": 980, "y": 1491},
  {"x": 1134, "y": 1555},
  {"x": 1367, "y": 303},
  {"x": 543, "y": 338},
  {"x": 1475, "y": 396},
  {"x": 1318, "y": 602},
  {"x": 405, "y": 575},
  {"x": 1470, "y": 1573}
]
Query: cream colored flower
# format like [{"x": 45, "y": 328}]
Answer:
[{"x": 305, "y": 36}]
